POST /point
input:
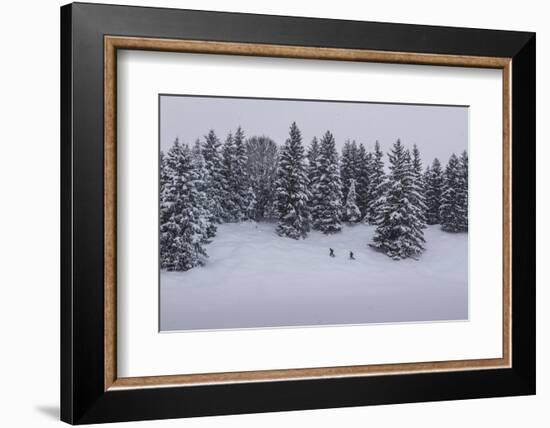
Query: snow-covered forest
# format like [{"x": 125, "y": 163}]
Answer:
[{"x": 300, "y": 187}]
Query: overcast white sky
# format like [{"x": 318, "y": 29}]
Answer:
[{"x": 437, "y": 130}]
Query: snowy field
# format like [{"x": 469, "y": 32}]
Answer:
[{"x": 255, "y": 278}]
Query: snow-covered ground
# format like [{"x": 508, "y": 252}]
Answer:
[{"x": 255, "y": 278}]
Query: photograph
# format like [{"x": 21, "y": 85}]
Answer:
[
  {"x": 283, "y": 212},
  {"x": 270, "y": 211}
]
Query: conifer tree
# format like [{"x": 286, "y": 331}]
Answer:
[
  {"x": 425, "y": 181},
  {"x": 312, "y": 156},
  {"x": 245, "y": 198},
  {"x": 184, "y": 220},
  {"x": 313, "y": 172},
  {"x": 229, "y": 201},
  {"x": 418, "y": 197},
  {"x": 463, "y": 191},
  {"x": 363, "y": 171},
  {"x": 292, "y": 188},
  {"x": 327, "y": 212},
  {"x": 433, "y": 182},
  {"x": 168, "y": 227},
  {"x": 352, "y": 212},
  {"x": 399, "y": 232},
  {"x": 377, "y": 185},
  {"x": 213, "y": 160},
  {"x": 359, "y": 152},
  {"x": 202, "y": 180},
  {"x": 347, "y": 166},
  {"x": 452, "y": 204},
  {"x": 350, "y": 165},
  {"x": 163, "y": 176},
  {"x": 354, "y": 162}
]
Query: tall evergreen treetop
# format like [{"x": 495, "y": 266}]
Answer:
[
  {"x": 312, "y": 156},
  {"x": 433, "y": 184},
  {"x": 452, "y": 211},
  {"x": 313, "y": 172},
  {"x": 346, "y": 166},
  {"x": 202, "y": 179},
  {"x": 349, "y": 165},
  {"x": 417, "y": 165},
  {"x": 463, "y": 191},
  {"x": 230, "y": 199},
  {"x": 327, "y": 212},
  {"x": 237, "y": 199},
  {"x": 377, "y": 184},
  {"x": 426, "y": 180},
  {"x": 292, "y": 188},
  {"x": 211, "y": 151},
  {"x": 363, "y": 171},
  {"x": 399, "y": 226},
  {"x": 417, "y": 190},
  {"x": 245, "y": 199}
]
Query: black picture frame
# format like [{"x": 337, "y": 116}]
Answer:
[{"x": 83, "y": 397}]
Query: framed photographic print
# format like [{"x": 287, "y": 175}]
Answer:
[{"x": 265, "y": 213}]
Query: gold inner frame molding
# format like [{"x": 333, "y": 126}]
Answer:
[{"x": 113, "y": 43}]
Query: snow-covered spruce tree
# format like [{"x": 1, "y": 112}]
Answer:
[
  {"x": 246, "y": 200},
  {"x": 363, "y": 170},
  {"x": 211, "y": 151},
  {"x": 262, "y": 154},
  {"x": 163, "y": 176},
  {"x": 230, "y": 200},
  {"x": 327, "y": 212},
  {"x": 348, "y": 165},
  {"x": 291, "y": 191},
  {"x": 433, "y": 187},
  {"x": 184, "y": 222},
  {"x": 426, "y": 180},
  {"x": 313, "y": 172},
  {"x": 377, "y": 184},
  {"x": 463, "y": 190},
  {"x": 312, "y": 156},
  {"x": 202, "y": 179},
  {"x": 355, "y": 162},
  {"x": 168, "y": 227},
  {"x": 399, "y": 232},
  {"x": 352, "y": 212},
  {"x": 451, "y": 210},
  {"x": 417, "y": 188}
]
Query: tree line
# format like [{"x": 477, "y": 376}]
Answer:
[{"x": 317, "y": 188}]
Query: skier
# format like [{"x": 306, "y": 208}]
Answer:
[
  {"x": 351, "y": 255},
  {"x": 331, "y": 252}
]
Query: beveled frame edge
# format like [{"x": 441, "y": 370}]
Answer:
[{"x": 113, "y": 43}]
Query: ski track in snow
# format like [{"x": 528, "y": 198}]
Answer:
[{"x": 254, "y": 278}]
